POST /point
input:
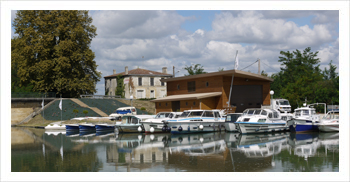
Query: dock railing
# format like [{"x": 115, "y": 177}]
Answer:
[{"x": 100, "y": 96}]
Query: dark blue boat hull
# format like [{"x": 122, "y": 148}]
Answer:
[{"x": 104, "y": 127}]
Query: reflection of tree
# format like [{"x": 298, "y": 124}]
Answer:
[
  {"x": 73, "y": 161},
  {"x": 317, "y": 163}
]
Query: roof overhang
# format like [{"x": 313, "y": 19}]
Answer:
[
  {"x": 236, "y": 73},
  {"x": 187, "y": 97}
]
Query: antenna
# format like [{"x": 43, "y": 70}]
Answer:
[{"x": 297, "y": 103}]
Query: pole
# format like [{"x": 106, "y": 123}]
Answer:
[
  {"x": 259, "y": 66},
  {"x": 61, "y": 110}
]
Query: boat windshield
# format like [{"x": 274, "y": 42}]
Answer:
[
  {"x": 284, "y": 102},
  {"x": 195, "y": 114},
  {"x": 250, "y": 112},
  {"x": 273, "y": 114},
  {"x": 162, "y": 115},
  {"x": 332, "y": 116},
  {"x": 264, "y": 113},
  {"x": 184, "y": 114},
  {"x": 257, "y": 112},
  {"x": 305, "y": 112}
]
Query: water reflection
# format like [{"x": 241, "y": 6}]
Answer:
[{"x": 40, "y": 150}]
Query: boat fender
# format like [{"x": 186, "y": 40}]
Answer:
[
  {"x": 201, "y": 140},
  {"x": 151, "y": 137},
  {"x": 164, "y": 128},
  {"x": 168, "y": 129},
  {"x": 139, "y": 129},
  {"x": 188, "y": 128},
  {"x": 180, "y": 139},
  {"x": 151, "y": 129},
  {"x": 180, "y": 128},
  {"x": 139, "y": 137},
  {"x": 201, "y": 127}
]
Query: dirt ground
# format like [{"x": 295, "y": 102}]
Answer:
[{"x": 18, "y": 114}]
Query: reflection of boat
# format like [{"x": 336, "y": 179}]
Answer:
[
  {"x": 304, "y": 144},
  {"x": 262, "y": 145},
  {"x": 72, "y": 133},
  {"x": 127, "y": 142},
  {"x": 55, "y": 132},
  {"x": 55, "y": 126},
  {"x": 196, "y": 121},
  {"x": 131, "y": 123},
  {"x": 155, "y": 125},
  {"x": 87, "y": 133},
  {"x": 330, "y": 122},
  {"x": 260, "y": 121},
  {"x": 104, "y": 133},
  {"x": 196, "y": 144},
  {"x": 230, "y": 121}
]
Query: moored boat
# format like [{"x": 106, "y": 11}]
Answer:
[
  {"x": 131, "y": 123},
  {"x": 86, "y": 126},
  {"x": 196, "y": 121},
  {"x": 260, "y": 121},
  {"x": 329, "y": 123},
  {"x": 156, "y": 125},
  {"x": 104, "y": 127},
  {"x": 305, "y": 119},
  {"x": 72, "y": 127},
  {"x": 55, "y": 126}
]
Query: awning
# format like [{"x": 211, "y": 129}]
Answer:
[{"x": 187, "y": 97}]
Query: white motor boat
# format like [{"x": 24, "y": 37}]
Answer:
[
  {"x": 131, "y": 123},
  {"x": 305, "y": 119},
  {"x": 330, "y": 122},
  {"x": 56, "y": 126},
  {"x": 196, "y": 121},
  {"x": 156, "y": 125},
  {"x": 260, "y": 121}
]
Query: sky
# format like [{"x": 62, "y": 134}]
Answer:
[{"x": 152, "y": 39}]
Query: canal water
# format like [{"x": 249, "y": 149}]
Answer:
[{"x": 37, "y": 150}]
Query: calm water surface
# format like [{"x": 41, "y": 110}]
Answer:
[{"x": 60, "y": 151}]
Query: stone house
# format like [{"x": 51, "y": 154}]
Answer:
[{"x": 139, "y": 83}]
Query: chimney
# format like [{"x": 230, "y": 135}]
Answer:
[
  {"x": 114, "y": 72},
  {"x": 174, "y": 71},
  {"x": 126, "y": 70},
  {"x": 164, "y": 70}
]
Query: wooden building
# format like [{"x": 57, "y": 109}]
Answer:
[{"x": 212, "y": 91}]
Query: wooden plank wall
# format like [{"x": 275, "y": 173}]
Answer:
[{"x": 163, "y": 107}]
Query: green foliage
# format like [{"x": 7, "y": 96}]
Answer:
[
  {"x": 52, "y": 52},
  {"x": 85, "y": 112},
  {"x": 194, "y": 70},
  {"x": 263, "y": 73},
  {"x": 221, "y": 69},
  {"x": 76, "y": 111},
  {"x": 143, "y": 109},
  {"x": 300, "y": 78},
  {"x": 120, "y": 90}
]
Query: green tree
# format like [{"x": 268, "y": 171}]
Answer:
[
  {"x": 85, "y": 112},
  {"x": 52, "y": 52},
  {"x": 263, "y": 73},
  {"x": 76, "y": 111},
  {"x": 220, "y": 69},
  {"x": 120, "y": 89},
  {"x": 299, "y": 77},
  {"x": 194, "y": 69}
]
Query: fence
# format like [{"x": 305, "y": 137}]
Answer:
[
  {"x": 99, "y": 96},
  {"x": 33, "y": 95}
]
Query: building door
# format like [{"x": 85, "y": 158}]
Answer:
[
  {"x": 175, "y": 106},
  {"x": 152, "y": 94},
  {"x": 246, "y": 96},
  {"x": 139, "y": 94}
]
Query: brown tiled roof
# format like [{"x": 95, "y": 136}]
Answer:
[{"x": 139, "y": 71}]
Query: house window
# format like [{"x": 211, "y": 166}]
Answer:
[
  {"x": 162, "y": 83},
  {"x": 194, "y": 103},
  {"x": 186, "y": 103},
  {"x": 178, "y": 86},
  {"x": 140, "y": 81},
  {"x": 207, "y": 84},
  {"x": 152, "y": 94},
  {"x": 191, "y": 86},
  {"x": 152, "y": 81},
  {"x": 166, "y": 104},
  {"x": 160, "y": 104}
]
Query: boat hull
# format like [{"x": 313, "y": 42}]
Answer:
[
  {"x": 231, "y": 127},
  {"x": 157, "y": 127},
  {"x": 129, "y": 128},
  {"x": 104, "y": 127},
  {"x": 72, "y": 127},
  {"x": 303, "y": 126},
  {"x": 194, "y": 127},
  {"x": 84, "y": 127},
  {"x": 252, "y": 127},
  {"x": 329, "y": 127}
]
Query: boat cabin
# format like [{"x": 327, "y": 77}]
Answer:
[
  {"x": 270, "y": 113},
  {"x": 132, "y": 119},
  {"x": 200, "y": 113},
  {"x": 168, "y": 115},
  {"x": 304, "y": 111}
]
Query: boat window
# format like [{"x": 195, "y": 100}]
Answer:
[
  {"x": 134, "y": 121},
  {"x": 250, "y": 112},
  {"x": 264, "y": 113},
  {"x": 216, "y": 114},
  {"x": 313, "y": 112},
  {"x": 257, "y": 112},
  {"x": 184, "y": 114},
  {"x": 298, "y": 113},
  {"x": 245, "y": 112},
  {"x": 284, "y": 102},
  {"x": 275, "y": 115},
  {"x": 208, "y": 114},
  {"x": 262, "y": 120},
  {"x": 228, "y": 118},
  {"x": 170, "y": 115},
  {"x": 270, "y": 115},
  {"x": 195, "y": 114},
  {"x": 305, "y": 112},
  {"x": 123, "y": 111}
]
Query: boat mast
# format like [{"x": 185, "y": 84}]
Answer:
[{"x": 233, "y": 75}]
